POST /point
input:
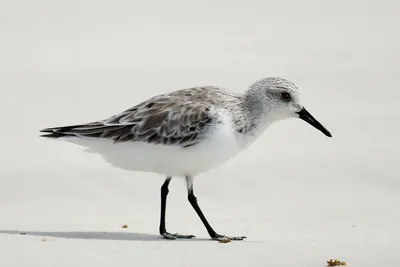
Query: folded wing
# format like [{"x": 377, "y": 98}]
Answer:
[{"x": 161, "y": 120}]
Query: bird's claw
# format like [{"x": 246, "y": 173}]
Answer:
[
  {"x": 223, "y": 238},
  {"x": 176, "y": 236}
]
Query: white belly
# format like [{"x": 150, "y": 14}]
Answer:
[{"x": 217, "y": 147}]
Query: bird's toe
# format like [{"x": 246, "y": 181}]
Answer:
[
  {"x": 176, "y": 236},
  {"x": 223, "y": 238}
]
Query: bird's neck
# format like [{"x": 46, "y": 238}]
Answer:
[{"x": 255, "y": 116}]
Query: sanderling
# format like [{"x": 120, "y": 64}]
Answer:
[{"x": 188, "y": 132}]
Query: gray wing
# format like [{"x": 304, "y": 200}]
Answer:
[{"x": 160, "y": 120}]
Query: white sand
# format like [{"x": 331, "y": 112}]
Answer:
[{"x": 300, "y": 197}]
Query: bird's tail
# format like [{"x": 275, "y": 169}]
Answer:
[
  {"x": 89, "y": 130},
  {"x": 57, "y": 132}
]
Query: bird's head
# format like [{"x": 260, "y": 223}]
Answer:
[{"x": 280, "y": 99}]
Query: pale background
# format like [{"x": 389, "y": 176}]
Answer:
[{"x": 300, "y": 198}]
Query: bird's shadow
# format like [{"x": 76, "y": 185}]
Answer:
[{"x": 122, "y": 236}]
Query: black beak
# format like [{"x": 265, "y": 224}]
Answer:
[{"x": 306, "y": 116}]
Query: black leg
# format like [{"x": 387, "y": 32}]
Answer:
[
  {"x": 163, "y": 231},
  {"x": 193, "y": 201},
  {"x": 164, "y": 193}
]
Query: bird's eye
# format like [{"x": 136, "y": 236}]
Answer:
[{"x": 285, "y": 96}]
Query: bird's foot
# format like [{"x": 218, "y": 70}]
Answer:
[
  {"x": 223, "y": 238},
  {"x": 176, "y": 236}
]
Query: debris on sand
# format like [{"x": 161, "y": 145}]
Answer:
[
  {"x": 336, "y": 263},
  {"x": 225, "y": 240}
]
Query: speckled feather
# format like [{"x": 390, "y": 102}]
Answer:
[{"x": 177, "y": 118}]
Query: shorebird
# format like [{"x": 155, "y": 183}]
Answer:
[{"x": 188, "y": 132}]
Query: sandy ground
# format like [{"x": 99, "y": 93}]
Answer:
[{"x": 299, "y": 197}]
